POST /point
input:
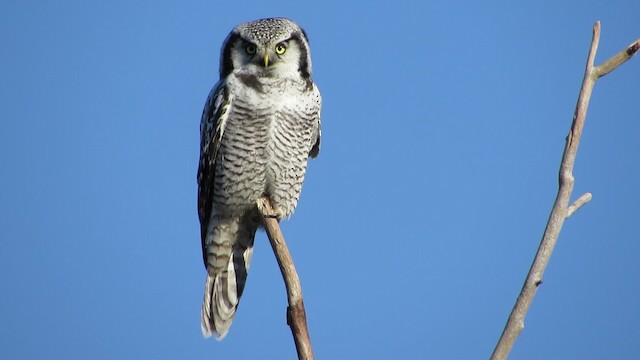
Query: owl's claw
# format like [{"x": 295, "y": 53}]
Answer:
[{"x": 267, "y": 211}]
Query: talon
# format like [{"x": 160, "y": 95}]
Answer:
[{"x": 274, "y": 214}]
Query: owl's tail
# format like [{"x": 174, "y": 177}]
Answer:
[{"x": 225, "y": 282}]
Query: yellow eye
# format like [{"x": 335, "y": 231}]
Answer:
[
  {"x": 280, "y": 49},
  {"x": 250, "y": 49}
]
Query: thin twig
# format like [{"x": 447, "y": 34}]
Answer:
[
  {"x": 296, "y": 315},
  {"x": 560, "y": 210},
  {"x": 618, "y": 59},
  {"x": 585, "y": 198}
]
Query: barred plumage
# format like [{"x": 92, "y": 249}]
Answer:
[{"x": 260, "y": 124}]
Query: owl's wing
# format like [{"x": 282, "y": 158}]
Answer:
[
  {"x": 315, "y": 149},
  {"x": 214, "y": 117}
]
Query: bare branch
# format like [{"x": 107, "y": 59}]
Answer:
[
  {"x": 296, "y": 315},
  {"x": 585, "y": 198},
  {"x": 560, "y": 210}
]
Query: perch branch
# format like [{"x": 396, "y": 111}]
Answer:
[
  {"x": 560, "y": 210},
  {"x": 296, "y": 315}
]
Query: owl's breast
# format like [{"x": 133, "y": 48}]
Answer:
[{"x": 265, "y": 146}]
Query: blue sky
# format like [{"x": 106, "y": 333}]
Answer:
[{"x": 443, "y": 127}]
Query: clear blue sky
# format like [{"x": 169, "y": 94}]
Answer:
[{"x": 443, "y": 127}]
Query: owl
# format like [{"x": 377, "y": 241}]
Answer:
[{"x": 259, "y": 127}]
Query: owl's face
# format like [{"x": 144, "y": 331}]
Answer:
[{"x": 267, "y": 47}]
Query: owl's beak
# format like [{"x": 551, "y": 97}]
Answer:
[{"x": 266, "y": 59}]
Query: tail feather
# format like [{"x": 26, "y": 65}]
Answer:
[{"x": 223, "y": 288}]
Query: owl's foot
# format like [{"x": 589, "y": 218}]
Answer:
[{"x": 266, "y": 209}]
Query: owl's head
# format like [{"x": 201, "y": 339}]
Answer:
[{"x": 267, "y": 46}]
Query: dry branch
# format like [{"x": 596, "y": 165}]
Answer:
[
  {"x": 560, "y": 210},
  {"x": 296, "y": 315}
]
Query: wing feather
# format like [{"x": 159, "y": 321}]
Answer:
[
  {"x": 212, "y": 124},
  {"x": 315, "y": 149}
]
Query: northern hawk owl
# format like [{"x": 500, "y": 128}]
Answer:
[{"x": 260, "y": 124}]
